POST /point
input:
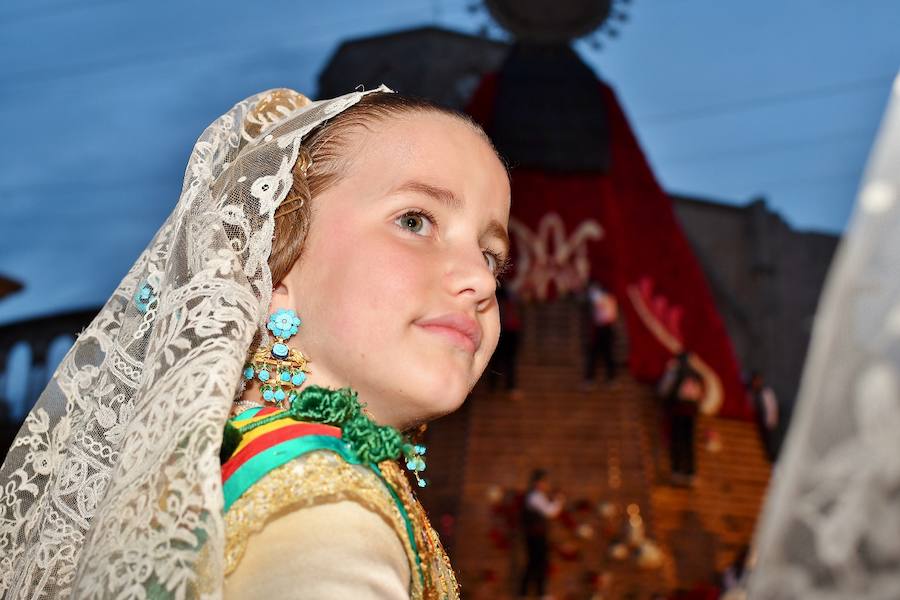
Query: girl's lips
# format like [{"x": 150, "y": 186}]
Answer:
[
  {"x": 457, "y": 338},
  {"x": 459, "y": 328}
]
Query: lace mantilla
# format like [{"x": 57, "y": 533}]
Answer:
[{"x": 112, "y": 485}]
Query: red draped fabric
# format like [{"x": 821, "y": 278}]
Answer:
[{"x": 619, "y": 228}]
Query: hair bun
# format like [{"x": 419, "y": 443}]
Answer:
[{"x": 273, "y": 107}]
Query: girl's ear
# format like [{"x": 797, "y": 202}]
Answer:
[
  {"x": 287, "y": 292},
  {"x": 279, "y": 289},
  {"x": 281, "y": 297}
]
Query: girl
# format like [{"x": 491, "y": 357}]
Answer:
[{"x": 327, "y": 281}]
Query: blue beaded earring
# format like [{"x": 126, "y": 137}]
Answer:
[
  {"x": 415, "y": 462},
  {"x": 280, "y": 370},
  {"x": 415, "y": 455}
]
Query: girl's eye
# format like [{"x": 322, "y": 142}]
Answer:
[
  {"x": 416, "y": 222},
  {"x": 492, "y": 260},
  {"x": 420, "y": 222},
  {"x": 496, "y": 262}
]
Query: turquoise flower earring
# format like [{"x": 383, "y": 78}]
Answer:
[{"x": 280, "y": 370}]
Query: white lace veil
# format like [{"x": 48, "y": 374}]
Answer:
[
  {"x": 831, "y": 525},
  {"x": 112, "y": 488}
]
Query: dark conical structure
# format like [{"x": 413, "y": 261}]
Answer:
[{"x": 549, "y": 111}]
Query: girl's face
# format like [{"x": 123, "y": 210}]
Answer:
[{"x": 396, "y": 282}]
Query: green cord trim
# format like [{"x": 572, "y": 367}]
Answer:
[
  {"x": 409, "y": 526},
  {"x": 341, "y": 408}
]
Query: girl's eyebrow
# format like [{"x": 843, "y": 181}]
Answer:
[
  {"x": 499, "y": 231},
  {"x": 452, "y": 201},
  {"x": 442, "y": 195}
]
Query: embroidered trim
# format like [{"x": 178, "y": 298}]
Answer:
[
  {"x": 440, "y": 580},
  {"x": 258, "y": 466}
]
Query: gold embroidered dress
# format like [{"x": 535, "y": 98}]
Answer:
[{"x": 305, "y": 502}]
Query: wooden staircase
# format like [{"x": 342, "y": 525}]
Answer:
[{"x": 603, "y": 450}]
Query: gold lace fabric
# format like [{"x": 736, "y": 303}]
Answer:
[
  {"x": 440, "y": 580},
  {"x": 322, "y": 477}
]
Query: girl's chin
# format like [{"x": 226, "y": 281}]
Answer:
[{"x": 442, "y": 401}]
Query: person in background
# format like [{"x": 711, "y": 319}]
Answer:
[
  {"x": 765, "y": 405},
  {"x": 681, "y": 389},
  {"x": 604, "y": 313},
  {"x": 538, "y": 511}
]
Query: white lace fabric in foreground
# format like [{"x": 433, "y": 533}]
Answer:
[{"x": 831, "y": 525}]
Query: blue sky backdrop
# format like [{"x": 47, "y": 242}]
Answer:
[{"x": 101, "y": 101}]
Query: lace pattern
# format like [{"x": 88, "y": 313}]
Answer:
[{"x": 112, "y": 485}]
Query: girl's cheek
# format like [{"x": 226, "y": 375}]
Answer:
[{"x": 403, "y": 266}]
